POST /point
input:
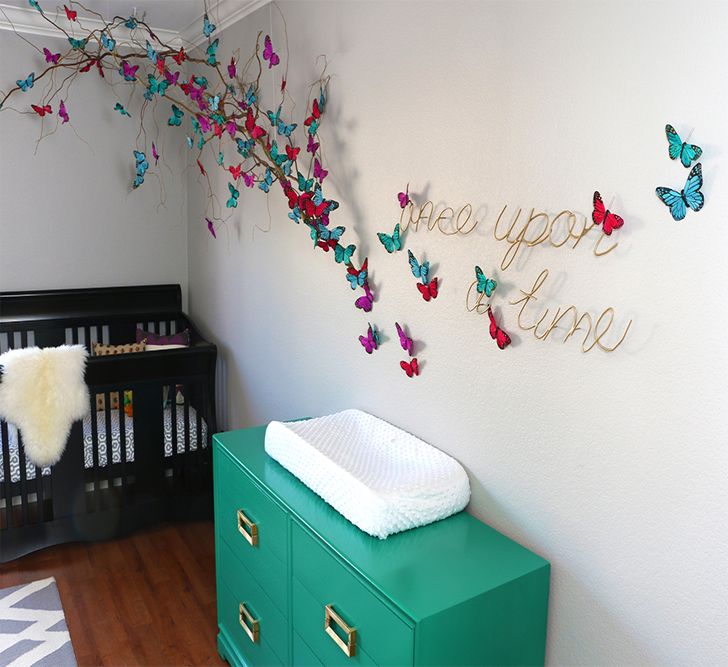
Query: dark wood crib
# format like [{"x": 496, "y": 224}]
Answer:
[{"x": 161, "y": 466}]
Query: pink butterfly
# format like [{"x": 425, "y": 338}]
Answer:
[
  {"x": 232, "y": 70},
  {"x": 171, "y": 78},
  {"x": 318, "y": 171},
  {"x": 312, "y": 145},
  {"x": 249, "y": 178},
  {"x": 62, "y": 112},
  {"x": 51, "y": 57},
  {"x": 405, "y": 341},
  {"x": 404, "y": 197},
  {"x": 204, "y": 123},
  {"x": 211, "y": 228},
  {"x": 365, "y": 302},
  {"x": 370, "y": 341},
  {"x": 155, "y": 155},
  {"x": 268, "y": 53},
  {"x": 231, "y": 128}
]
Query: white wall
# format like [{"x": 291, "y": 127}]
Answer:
[
  {"x": 68, "y": 217},
  {"x": 612, "y": 466}
]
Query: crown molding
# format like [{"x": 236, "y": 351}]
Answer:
[
  {"x": 27, "y": 21},
  {"x": 226, "y": 12}
]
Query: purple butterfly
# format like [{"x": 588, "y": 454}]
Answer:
[
  {"x": 312, "y": 145},
  {"x": 370, "y": 342},
  {"x": 196, "y": 95},
  {"x": 211, "y": 228},
  {"x": 318, "y": 171},
  {"x": 155, "y": 154},
  {"x": 404, "y": 197},
  {"x": 51, "y": 57},
  {"x": 62, "y": 112},
  {"x": 128, "y": 71},
  {"x": 404, "y": 340},
  {"x": 268, "y": 53},
  {"x": 171, "y": 79},
  {"x": 365, "y": 302},
  {"x": 204, "y": 123},
  {"x": 231, "y": 128},
  {"x": 249, "y": 178},
  {"x": 232, "y": 70}
]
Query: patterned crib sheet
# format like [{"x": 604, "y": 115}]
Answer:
[{"x": 115, "y": 441}]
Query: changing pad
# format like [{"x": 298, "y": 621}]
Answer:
[{"x": 381, "y": 478}]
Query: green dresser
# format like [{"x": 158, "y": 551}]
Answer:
[{"x": 297, "y": 584}]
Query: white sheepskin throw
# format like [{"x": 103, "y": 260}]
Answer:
[{"x": 42, "y": 392}]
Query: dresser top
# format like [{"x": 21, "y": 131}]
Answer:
[{"x": 424, "y": 570}]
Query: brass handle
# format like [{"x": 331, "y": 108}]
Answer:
[
  {"x": 249, "y": 624},
  {"x": 247, "y": 528},
  {"x": 349, "y": 646}
]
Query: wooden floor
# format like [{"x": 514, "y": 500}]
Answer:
[{"x": 148, "y": 599}]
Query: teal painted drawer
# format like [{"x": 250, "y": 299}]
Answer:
[
  {"x": 302, "y": 654},
  {"x": 243, "y": 589},
  {"x": 380, "y": 632},
  {"x": 240, "y": 493}
]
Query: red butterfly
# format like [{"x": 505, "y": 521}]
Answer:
[
  {"x": 354, "y": 271},
  {"x": 315, "y": 114},
  {"x": 160, "y": 64},
  {"x": 42, "y": 111},
  {"x": 180, "y": 56},
  {"x": 202, "y": 169},
  {"x": 218, "y": 129},
  {"x": 70, "y": 13},
  {"x": 255, "y": 131},
  {"x": 601, "y": 215},
  {"x": 99, "y": 68},
  {"x": 283, "y": 85},
  {"x": 292, "y": 153},
  {"x": 327, "y": 245},
  {"x": 410, "y": 367},
  {"x": 497, "y": 334},
  {"x": 308, "y": 208},
  {"x": 87, "y": 66},
  {"x": 428, "y": 291},
  {"x": 235, "y": 171}
]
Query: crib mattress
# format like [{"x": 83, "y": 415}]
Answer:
[
  {"x": 115, "y": 441},
  {"x": 381, "y": 478}
]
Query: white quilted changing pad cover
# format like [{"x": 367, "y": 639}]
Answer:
[{"x": 381, "y": 478}]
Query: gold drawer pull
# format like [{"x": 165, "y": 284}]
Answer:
[
  {"x": 247, "y": 529},
  {"x": 348, "y": 647},
  {"x": 249, "y": 624}
]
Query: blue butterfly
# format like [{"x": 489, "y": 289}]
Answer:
[
  {"x": 211, "y": 51},
  {"x": 131, "y": 23},
  {"x": 304, "y": 184},
  {"x": 285, "y": 130},
  {"x": 176, "y": 117},
  {"x": 27, "y": 83},
  {"x": 295, "y": 215},
  {"x": 141, "y": 166},
  {"x": 207, "y": 27},
  {"x": 342, "y": 254},
  {"x": 265, "y": 184},
  {"x": 151, "y": 53},
  {"x": 485, "y": 285},
  {"x": 244, "y": 146},
  {"x": 213, "y": 102},
  {"x": 357, "y": 278},
  {"x": 77, "y": 44},
  {"x": 234, "y": 194},
  {"x": 322, "y": 100},
  {"x": 250, "y": 97},
  {"x": 34, "y": 4},
  {"x": 690, "y": 195},
  {"x": 678, "y": 148},
  {"x": 391, "y": 243},
  {"x": 200, "y": 142},
  {"x": 321, "y": 232},
  {"x": 108, "y": 42},
  {"x": 421, "y": 271},
  {"x": 331, "y": 206}
]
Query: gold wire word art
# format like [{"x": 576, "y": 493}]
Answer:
[
  {"x": 595, "y": 331},
  {"x": 453, "y": 224}
]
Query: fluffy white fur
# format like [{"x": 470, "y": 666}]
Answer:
[{"x": 43, "y": 392}]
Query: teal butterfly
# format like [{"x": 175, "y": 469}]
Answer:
[
  {"x": 118, "y": 107},
  {"x": 277, "y": 157},
  {"x": 391, "y": 243},
  {"x": 77, "y": 44},
  {"x": 295, "y": 214},
  {"x": 195, "y": 124},
  {"x": 151, "y": 53},
  {"x": 211, "y": 52},
  {"x": 34, "y": 4},
  {"x": 157, "y": 85},
  {"x": 342, "y": 254},
  {"x": 679, "y": 149},
  {"x": 357, "y": 278},
  {"x": 421, "y": 271},
  {"x": 131, "y": 23},
  {"x": 689, "y": 196},
  {"x": 313, "y": 127},
  {"x": 285, "y": 130},
  {"x": 322, "y": 100},
  {"x": 190, "y": 143},
  {"x": 485, "y": 285},
  {"x": 200, "y": 142},
  {"x": 321, "y": 232},
  {"x": 250, "y": 97},
  {"x": 214, "y": 102},
  {"x": 244, "y": 146},
  {"x": 200, "y": 81},
  {"x": 274, "y": 117},
  {"x": 220, "y": 158},
  {"x": 108, "y": 42},
  {"x": 207, "y": 27},
  {"x": 176, "y": 117},
  {"x": 27, "y": 83},
  {"x": 265, "y": 184},
  {"x": 141, "y": 166},
  {"x": 304, "y": 184},
  {"x": 234, "y": 194}
]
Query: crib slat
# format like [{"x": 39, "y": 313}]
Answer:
[
  {"x": 122, "y": 442},
  {"x": 186, "y": 415},
  {"x": 23, "y": 480},
  {"x": 40, "y": 504},
  {"x": 175, "y": 453},
  {"x": 94, "y": 451},
  {"x": 109, "y": 442},
  {"x": 23, "y": 338},
  {"x": 7, "y": 484}
]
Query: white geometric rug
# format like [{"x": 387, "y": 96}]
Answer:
[{"x": 33, "y": 630}]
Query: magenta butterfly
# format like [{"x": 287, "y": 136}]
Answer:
[
  {"x": 269, "y": 54},
  {"x": 318, "y": 171},
  {"x": 312, "y": 145},
  {"x": 62, "y": 112},
  {"x": 405, "y": 341},
  {"x": 249, "y": 179},
  {"x": 211, "y": 228},
  {"x": 601, "y": 216},
  {"x": 51, "y": 57},
  {"x": 370, "y": 342},
  {"x": 365, "y": 302},
  {"x": 155, "y": 154},
  {"x": 232, "y": 69},
  {"x": 404, "y": 197}
]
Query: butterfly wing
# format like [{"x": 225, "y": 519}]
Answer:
[
  {"x": 674, "y": 142},
  {"x": 674, "y": 200},
  {"x": 493, "y": 325},
  {"x": 424, "y": 291},
  {"x": 502, "y": 339},
  {"x": 482, "y": 280},
  {"x": 414, "y": 265},
  {"x": 387, "y": 241},
  {"x": 689, "y": 153},
  {"x": 364, "y": 302},
  {"x": 432, "y": 288},
  {"x": 693, "y": 196},
  {"x": 599, "y": 210},
  {"x": 612, "y": 222}
]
